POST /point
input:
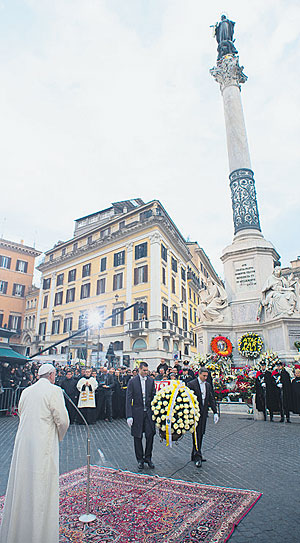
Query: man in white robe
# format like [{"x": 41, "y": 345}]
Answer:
[
  {"x": 31, "y": 510},
  {"x": 87, "y": 402}
]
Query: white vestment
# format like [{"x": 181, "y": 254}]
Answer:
[
  {"x": 31, "y": 510},
  {"x": 87, "y": 389}
]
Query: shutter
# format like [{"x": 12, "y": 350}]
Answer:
[
  {"x": 146, "y": 274},
  {"x": 25, "y": 267},
  {"x": 135, "y": 276},
  {"x": 145, "y": 308},
  {"x": 113, "y": 320},
  {"x": 115, "y": 283},
  {"x": 121, "y": 280}
]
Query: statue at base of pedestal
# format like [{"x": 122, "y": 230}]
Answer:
[
  {"x": 280, "y": 295},
  {"x": 213, "y": 301}
]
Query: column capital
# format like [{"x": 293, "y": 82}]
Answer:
[{"x": 228, "y": 72}]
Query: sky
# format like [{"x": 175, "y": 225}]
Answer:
[{"x": 110, "y": 100}]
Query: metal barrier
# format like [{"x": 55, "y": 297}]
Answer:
[{"x": 9, "y": 399}]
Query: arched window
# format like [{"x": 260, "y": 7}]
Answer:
[
  {"x": 186, "y": 350},
  {"x": 118, "y": 346},
  {"x": 139, "y": 344},
  {"x": 175, "y": 347},
  {"x": 25, "y": 323},
  {"x": 166, "y": 345},
  {"x": 33, "y": 321}
]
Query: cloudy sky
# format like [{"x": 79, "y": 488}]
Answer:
[{"x": 108, "y": 100}]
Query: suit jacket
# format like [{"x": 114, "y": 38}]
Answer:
[
  {"x": 209, "y": 401},
  {"x": 135, "y": 405}
]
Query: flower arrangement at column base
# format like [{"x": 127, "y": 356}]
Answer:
[{"x": 175, "y": 411}]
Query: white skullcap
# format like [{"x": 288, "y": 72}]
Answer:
[{"x": 46, "y": 368}]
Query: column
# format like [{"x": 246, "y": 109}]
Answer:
[{"x": 229, "y": 74}]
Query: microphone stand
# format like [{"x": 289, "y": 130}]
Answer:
[{"x": 87, "y": 516}]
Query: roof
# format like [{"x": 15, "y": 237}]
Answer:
[{"x": 18, "y": 247}]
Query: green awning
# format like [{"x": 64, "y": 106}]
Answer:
[{"x": 7, "y": 354}]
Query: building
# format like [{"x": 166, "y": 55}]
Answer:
[
  {"x": 294, "y": 268},
  {"x": 16, "y": 274},
  {"x": 131, "y": 252}
]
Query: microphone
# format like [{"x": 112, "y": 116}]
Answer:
[{"x": 87, "y": 516}]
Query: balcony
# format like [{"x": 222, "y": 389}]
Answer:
[
  {"x": 168, "y": 328},
  {"x": 188, "y": 337},
  {"x": 191, "y": 276},
  {"x": 138, "y": 328}
]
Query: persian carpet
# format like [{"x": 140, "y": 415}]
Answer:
[{"x": 139, "y": 508}]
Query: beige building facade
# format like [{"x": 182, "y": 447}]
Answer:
[{"x": 129, "y": 253}]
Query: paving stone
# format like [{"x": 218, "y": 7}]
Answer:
[{"x": 240, "y": 452}]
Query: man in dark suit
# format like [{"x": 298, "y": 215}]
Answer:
[
  {"x": 140, "y": 393},
  {"x": 205, "y": 397}
]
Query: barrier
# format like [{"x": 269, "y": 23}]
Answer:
[{"x": 9, "y": 399}]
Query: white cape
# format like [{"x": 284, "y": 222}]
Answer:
[{"x": 31, "y": 510}]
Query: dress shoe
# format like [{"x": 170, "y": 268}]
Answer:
[
  {"x": 141, "y": 465},
  {"x": 198, "y": 463},
  {"x": 203, "y": 459},
  {"x": 150, "y": 464}
]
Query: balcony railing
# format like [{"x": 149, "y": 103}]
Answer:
[{"x": 138, "y": 325}]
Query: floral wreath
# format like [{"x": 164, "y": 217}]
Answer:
[
  {"x": 247, "y": 342},
  {"x": 214, "y": 346}
]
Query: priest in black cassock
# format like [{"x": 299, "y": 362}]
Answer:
[
  {"x": 140, "y": 393},
  {"x": 68, "y": 384},
  {"x": 296, "y": 391}
]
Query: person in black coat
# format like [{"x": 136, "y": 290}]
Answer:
[
  {"x": 267, "y": 393},
  {"x": 185, "y": 377},
  {"x": 140, "y": 393},
  {"x": 106, "y": 385},
  {"x": 283, "y": 383},
  {"x": 296, "y": 391},
  {"x": 206, "y": 399},
  {"x": 68, "y": 384}
]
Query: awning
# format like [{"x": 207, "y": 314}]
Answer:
[{"x": 7, "y": 354}]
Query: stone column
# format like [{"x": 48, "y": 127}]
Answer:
[{"x": 229, "y": 74}]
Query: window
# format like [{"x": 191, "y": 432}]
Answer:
[
  {"x": 5, "y": 262},
  {"x": 18, "y": 290},
  {"x": 63, "y": 251},
  {"x": 21, "y": 266},
  {"x": 145, "y": 214},
  {"x": 46, "y": 283},
  {"x": 42, "y": 329},
  {"x": 86, "y": 270},
  {"x": 163, "y": 276},
  {"x": 117, "y": 318},
  {"x": 118, "y": 281},
  {"x": 121, "y": 225},
  {"x": 175, "y": 318},
  {"x": 104, "y": 233},
  {"x": 164, "y": 253},
  {"x": 51, "y": 257},
  {"x": 85, "y": 291},
  {"x": 58, "y": 299},
  {"x": 166, "y": 345},
  {"x": 45, "y": 301},
  {"x": 141, "y": 275},
  {"x": 82, "y": 321},
  {"x": 190, "y": 294},
  {"x": 3, "y": 287},
  {"x": 70, "y": 295},
  {"x": 101, "y": 286},
  {"x": 164, "y": 312},
  {"x": 72, "y": 275},
  {"x": 119, "y": 258},
  {"x": 173, "y": 285},
  {"x": 55, "y": 326},
  {"x": 195, "y": 340},
  {"x": 183, "y": 274},
  {"x": 191, "y": 314},
  {"x": 174, "y": 264},
  {"x": 75, "y": 246},
  {"x": 103, "y": 264},
  {"x": 60, "y": 279},
  {"x": 137, "y": 313},
  {"x": 183, "y": 294},
  {"x": 194, "y": 298},
  {"x": 68, "y": 323},
  {"x": 141, "y": 250},
  {"x": 118, "y": 345},
  {"x": 89, "y": 240},
  {"x": 184, "y": 323},
  {"x": 1, "y": 320},
  {"x": 139, "y": 344},
  {"x": 195, "y": 316}
]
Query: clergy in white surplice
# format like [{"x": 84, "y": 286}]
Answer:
[{"x": 31, "y": 510}]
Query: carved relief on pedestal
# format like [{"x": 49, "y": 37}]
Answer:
[{"x": 213, "y": 301}]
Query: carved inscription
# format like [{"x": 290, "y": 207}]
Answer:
[{"x": 245, "y": 276}]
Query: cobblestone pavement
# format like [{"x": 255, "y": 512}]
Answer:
[{"x": 240, "y": 452}]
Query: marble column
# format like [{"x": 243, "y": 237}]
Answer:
[{"x": 229, "y": 74}]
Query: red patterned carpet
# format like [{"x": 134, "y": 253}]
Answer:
[{"x": 139, "y": 508}]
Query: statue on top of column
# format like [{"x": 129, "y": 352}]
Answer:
[{"x": 224, "y": 35}]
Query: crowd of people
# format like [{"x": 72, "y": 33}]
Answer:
[{"x": 276, "y": 392}]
